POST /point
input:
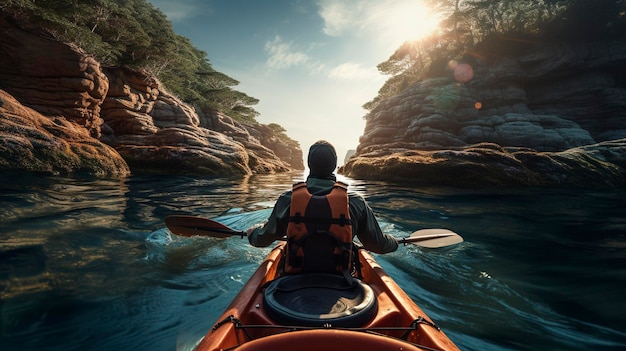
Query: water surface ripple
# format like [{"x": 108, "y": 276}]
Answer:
[{"x": 89, "y": 264}]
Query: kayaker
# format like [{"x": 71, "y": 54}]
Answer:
[{"x": 322, "y": 161}]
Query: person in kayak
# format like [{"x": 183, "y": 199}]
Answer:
[{"x": 321, "y": 186}]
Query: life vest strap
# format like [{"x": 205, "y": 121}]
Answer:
[{"x": 298, "y": 218}]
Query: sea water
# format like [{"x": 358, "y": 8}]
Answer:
[{"x": 89, "y": 264}]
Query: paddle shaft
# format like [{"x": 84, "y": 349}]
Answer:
[{"x": 198, "y": 226}]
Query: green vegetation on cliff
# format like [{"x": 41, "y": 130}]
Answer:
[
  {"x": 468, "y": 24},
  {"x": 133, "y": 33}
]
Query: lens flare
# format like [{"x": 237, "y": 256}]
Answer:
[
  {"x": 447, "y": 98},
  {"x": 463, "y": 73}
]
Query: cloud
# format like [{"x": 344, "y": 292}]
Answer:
[
  {"x": 338, "y": 16},
  {"x": 282, "y": 55},
  {"x": 348, "y": 16},
  {"x": 388, "y": 22},
  {"x": 354, "y": 71}
]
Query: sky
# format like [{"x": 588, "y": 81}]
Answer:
[{"x": 311, "y": 63}]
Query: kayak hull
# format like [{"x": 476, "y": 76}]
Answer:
[
  {"x": 398, "y": 321},
  {"x": 327, "y": 340}
]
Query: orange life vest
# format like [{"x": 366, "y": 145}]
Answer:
[{"x": 319, "y": 233}]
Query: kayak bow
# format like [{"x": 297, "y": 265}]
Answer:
[{"x": 323, "y": 312}]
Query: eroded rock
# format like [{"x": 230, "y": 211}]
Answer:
[
  {"x": 564, "y": 105},
  {"x": 61, "y": 106},
  {"x": 32, "y": 142}
]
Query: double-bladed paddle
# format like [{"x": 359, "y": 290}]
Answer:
[{"x": 198, "y": 226}]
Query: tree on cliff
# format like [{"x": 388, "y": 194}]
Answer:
[
  {"x": 133, "y": 33},
  {"x": 468, "y": 23}
]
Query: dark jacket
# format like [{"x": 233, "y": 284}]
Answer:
[{"x": 364, "y": 224}]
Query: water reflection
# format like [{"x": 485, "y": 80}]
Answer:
[
  {"x": 91, "y": 261},
  {"x": 65, "y": 233},
  {"x": 208, "y": 197},
  {"x": 52, "y": 230}
]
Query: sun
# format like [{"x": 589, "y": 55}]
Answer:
[{"x": 409, "y": 20}]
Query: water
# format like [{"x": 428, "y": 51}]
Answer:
[{"x": 88, "y": 264}]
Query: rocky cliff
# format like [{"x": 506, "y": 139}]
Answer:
[
  {"x": 61, "y": 112},
  {"x": 542, "y": 114}
]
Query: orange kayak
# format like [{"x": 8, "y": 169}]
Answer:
[{"x": 323, "y": 312}]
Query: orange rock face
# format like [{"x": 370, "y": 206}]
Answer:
[{"x": 63, "y": 113}]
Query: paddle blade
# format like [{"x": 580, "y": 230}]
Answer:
[
  {"x": 433, "y": 238},
  {"x": 198, "y": 226}
]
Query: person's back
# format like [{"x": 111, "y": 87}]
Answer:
[
  {"x": 319, "y": 231},
  {"x": 321, "y": 182}
]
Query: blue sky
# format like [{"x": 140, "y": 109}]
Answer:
[{"x": 312, "y": 64}]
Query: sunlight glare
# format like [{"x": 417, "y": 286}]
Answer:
[{"x": 410, "y": 20}]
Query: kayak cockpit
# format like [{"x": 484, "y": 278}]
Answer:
[{"x": 320, "y": 300}]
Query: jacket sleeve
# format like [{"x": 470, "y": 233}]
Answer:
[
  {"x": 276, "y": 226},
  {"x": 367, "y": 229}
]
